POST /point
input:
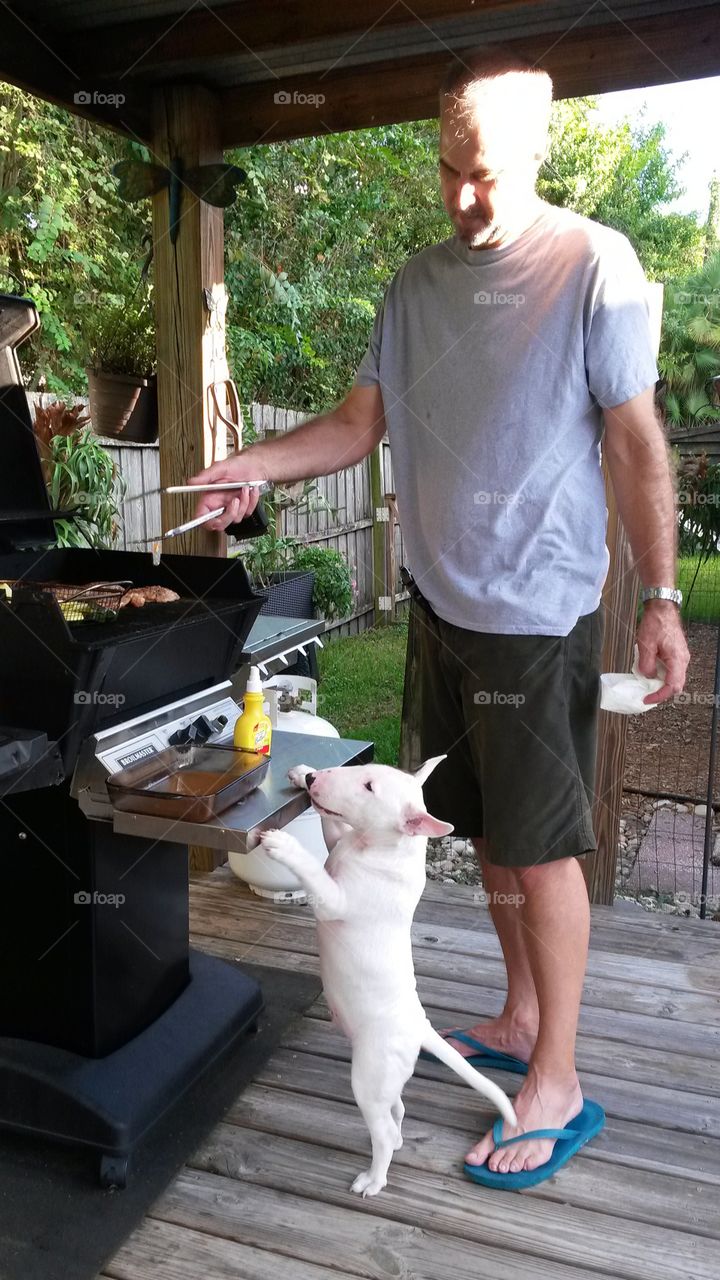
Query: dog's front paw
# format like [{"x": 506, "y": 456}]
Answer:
[
  {"x": 367, "y": 1185},
  {"x": 279, "y": 846},
  {"x": 298, "y": 774}
]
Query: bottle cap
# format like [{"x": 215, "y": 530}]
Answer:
[{"x": 254, "y": 684}]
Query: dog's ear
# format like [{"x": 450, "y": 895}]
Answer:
[
  {"x": 426, "y": 769},
  {"x": 416, "y": 822}
]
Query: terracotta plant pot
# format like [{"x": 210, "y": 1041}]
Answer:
[{"x": 124, "y": 406}]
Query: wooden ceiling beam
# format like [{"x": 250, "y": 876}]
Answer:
[
  {"x": 590, "y": 60},
  {"x": 142, "y": 48},
  {"x": 39, "y": 62}
]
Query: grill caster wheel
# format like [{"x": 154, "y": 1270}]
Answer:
[{"x": 114, "y": 1172}]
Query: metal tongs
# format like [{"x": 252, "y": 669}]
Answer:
[{"x": 223, "y": 487}]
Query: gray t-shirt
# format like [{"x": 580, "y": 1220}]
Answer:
[{"x": 494, "y": 366}]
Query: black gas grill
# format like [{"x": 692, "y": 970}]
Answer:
[{"x": 105, "y": 1015}]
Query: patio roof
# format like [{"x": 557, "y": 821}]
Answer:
[{"x": 372, "y": 61}]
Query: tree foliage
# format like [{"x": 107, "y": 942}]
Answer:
[
  {"x": 66, "y": 240},
  {"x": 313, "y": 239},
  {"x": 690, "y": 354}
]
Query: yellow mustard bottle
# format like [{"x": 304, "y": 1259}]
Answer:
[{"x": 253, "y": 729}]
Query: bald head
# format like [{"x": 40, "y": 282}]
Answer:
[{"x": 494, "y": 119}]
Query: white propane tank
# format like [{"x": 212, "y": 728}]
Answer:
[{"x": 267, "y": 878}]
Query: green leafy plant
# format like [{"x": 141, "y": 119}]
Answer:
[
  {"x": 121, "y": 339},
  {"x": 267, "y": 555},
  {"x": 690, "y": 353},
  {"x": 273, "y": 552},
  {"x": 333, "y": 589},
  {"x": 84, "y": 476},
  {"x": 698, "y": 486}
]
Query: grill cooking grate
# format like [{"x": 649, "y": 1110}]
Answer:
[{"x": 93, "y": 602}]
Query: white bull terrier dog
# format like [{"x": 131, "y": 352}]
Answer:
[{"x": 376, "y": 826}]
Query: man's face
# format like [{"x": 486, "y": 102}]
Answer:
[{"x": 487, "y": 173}]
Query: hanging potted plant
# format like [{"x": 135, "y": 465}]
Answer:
[{"x": 121, "y": 372}]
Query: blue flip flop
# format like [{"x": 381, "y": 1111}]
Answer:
[
  {"x": 586, "y": 1124},
  {"x": 484, "y": 1056}
]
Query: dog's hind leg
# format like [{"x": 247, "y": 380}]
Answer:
[{"x": 378, "y": 1077}]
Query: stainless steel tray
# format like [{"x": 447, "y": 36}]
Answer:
[
  {"x": 191, "y": 783},
  {"x": 275, "y": 803}
]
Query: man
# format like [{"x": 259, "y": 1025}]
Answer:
[{"x": 497, "y": 360}]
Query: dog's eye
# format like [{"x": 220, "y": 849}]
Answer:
[{"x": 368, "y": 786}]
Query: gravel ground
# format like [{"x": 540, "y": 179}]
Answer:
[{"x": 452, "y": 861}]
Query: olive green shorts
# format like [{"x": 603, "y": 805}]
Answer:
[{"x": 517, "y": 716}]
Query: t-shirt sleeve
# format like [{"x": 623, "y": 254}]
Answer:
[
  {"x": 619, "y": 344},
  {"x": 369, "y": 368}
]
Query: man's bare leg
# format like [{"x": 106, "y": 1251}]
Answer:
[
  {"x": 515, "y": 1030},
  {"x": 555, "y": 917}
]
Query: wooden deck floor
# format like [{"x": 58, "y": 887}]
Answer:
[{"x": 267, "y": 1195}]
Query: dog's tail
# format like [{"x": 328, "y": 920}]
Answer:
[{"x": 434, "y": 1043}]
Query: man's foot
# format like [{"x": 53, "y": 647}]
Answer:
[
  {"x": 508, "y": 1035},
  {"x": 541, "y": 1103}
]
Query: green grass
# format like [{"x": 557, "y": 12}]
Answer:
[
  {"x": 704, "y": 605},
  {"x": 361, "y": 684}
]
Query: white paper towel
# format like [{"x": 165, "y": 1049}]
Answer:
[{"x": 624, "y": 691}]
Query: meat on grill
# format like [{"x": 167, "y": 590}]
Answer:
[{"x": 139, "y": 596}]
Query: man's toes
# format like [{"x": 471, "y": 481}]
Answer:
[
  {"x": 535, "y": 1159},
  {"x": 480, "y": 1152}
]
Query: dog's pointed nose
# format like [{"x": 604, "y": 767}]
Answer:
[{"x": 309, "y": 779}]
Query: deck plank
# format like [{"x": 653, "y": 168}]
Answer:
[
  {"x": 168, "y": 1251},
  {"x": 303, "y": 1228},
  {"x": 619, "y": 995},
  {"x": 659, "y": 1197},
  {"x": 624, "y": 1142},
  {"x": 692, "y": 1113},
  {"x": 551, "y": 1229},
  {"x": 675, "y": 1071},
  {"x": 432, "y": 947}
]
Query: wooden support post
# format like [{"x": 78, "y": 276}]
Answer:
[
  {"x": 190, "y": 334},
  {"x": 190, "y": 340},
  {"x": 620, "y": 600},
  {"x": 379, "y": 515},
  {"x": 620, "y": 597}
]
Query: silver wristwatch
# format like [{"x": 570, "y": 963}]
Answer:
[{"x": 663, "y": 593}]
